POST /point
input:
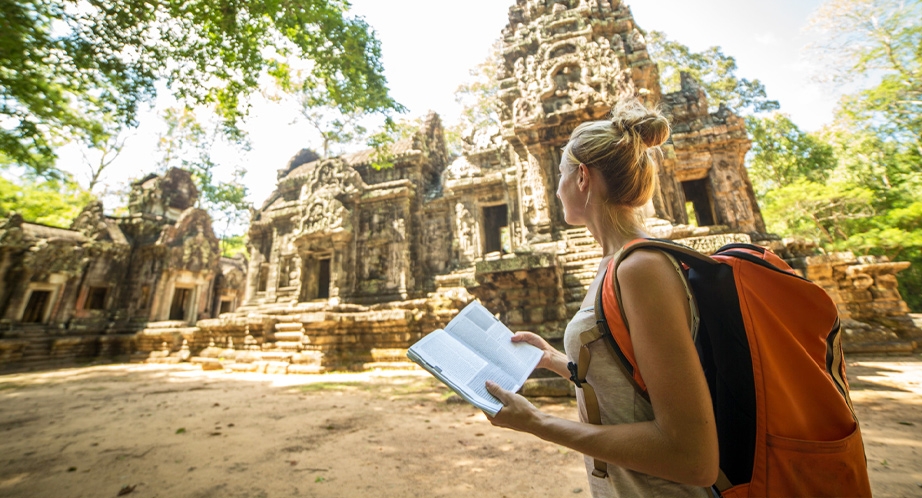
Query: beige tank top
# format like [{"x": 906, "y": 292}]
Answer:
[{"x": 620, "y": 404}]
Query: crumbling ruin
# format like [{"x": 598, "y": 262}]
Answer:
[
  {"x": 93, "y": 289},
  {"x": 349, "y": 264}
]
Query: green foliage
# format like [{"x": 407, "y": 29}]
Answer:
[
  {"x": 856, "y": 184},
  {"x": 782, "y": 154},
  {"x": 876, "y": 44},
  {"x": 233, "y": 245},
  {"x": 713, "y": 69},
  {"x": 479, "y": 98},
  {"x": 819, "y": 211},
  {"x": 55, "y": 202},
  {"x": 383, "y": 140},
  {"x": 187, "y": 145},
  {"x": 66, "y": 64}
]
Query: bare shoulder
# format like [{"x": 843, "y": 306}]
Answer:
[{"x": 646, "y": 266}]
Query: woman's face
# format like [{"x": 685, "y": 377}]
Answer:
[{"x": 571, "y": 196}]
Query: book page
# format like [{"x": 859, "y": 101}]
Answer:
[
  {"x": 450, "y": 357},
  {"x": 491, "y": 339},
  {"x": 459, "y": 368},
  {"x": 473, "y": 348}
]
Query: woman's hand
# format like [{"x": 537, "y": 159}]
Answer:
[
  {"x": 517, "y": 412},
  {"x": 551, "y": 359}
]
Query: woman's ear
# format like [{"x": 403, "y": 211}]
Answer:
[{"x": 582, "y": 178}]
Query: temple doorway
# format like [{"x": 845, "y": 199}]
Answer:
[
  {"x": 180, "y": 303},
  {"x": 496, "y": 229},
  {"x": 317, "y": 277},
  {"x": 698, "y": 201},
  {"x": 323, "y": 279}
]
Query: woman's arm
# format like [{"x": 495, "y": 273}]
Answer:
[{"x": 680, "y": 444}]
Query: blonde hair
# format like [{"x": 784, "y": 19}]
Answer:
[{"x": 620, "y": 148}]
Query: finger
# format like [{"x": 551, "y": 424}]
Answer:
[
  {"x": 497, "y": 392},
  {"x": 520, "y": 336}
]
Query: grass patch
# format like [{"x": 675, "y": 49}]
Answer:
[{"x": 332, "y": 386}]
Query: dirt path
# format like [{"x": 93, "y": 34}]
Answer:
[{"x": 175, "y": 431}]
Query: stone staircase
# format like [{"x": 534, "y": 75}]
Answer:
[{"x": 580, "y": 263}]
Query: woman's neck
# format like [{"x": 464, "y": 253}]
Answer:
[{"x": 610, "y": 239}]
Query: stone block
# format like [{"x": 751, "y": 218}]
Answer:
[
  {"x": 297, "y": 368},
  {"x": 241, "y": 367},
  {"x": 207, "y": 363},
  {"x": 276, "y": 367},
  {"x": 557, "y": 387}
]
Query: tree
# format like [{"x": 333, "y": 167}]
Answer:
[
  {"x": 186, "y": 144},
  {"x": 335, "y": 126},
  {"x": 713, "y": 69},
  {"x": 54, "y": 202},
  {"x": 782, "y": 153},
  {"x": 875, "y": 43},
  {"x": 109, "y": 145},
  {"x": 68, "y": 63},
  {"x": 479, "y": 96},
  {"x": 479, "y": 100}
]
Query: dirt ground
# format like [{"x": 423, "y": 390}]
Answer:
[{"x": 176, "y": 431}]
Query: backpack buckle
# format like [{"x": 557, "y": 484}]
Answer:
[{"x": 574, "y": 376}]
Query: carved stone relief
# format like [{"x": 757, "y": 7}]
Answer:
[
  {"x": 534, "y": 193},
  {"x": 468, "y": 231}
]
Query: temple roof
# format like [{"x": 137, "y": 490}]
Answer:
[
  {"x": 36, "y": 231},
  {"x": 399, "y": 149}
]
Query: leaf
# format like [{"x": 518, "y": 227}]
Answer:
[{"x": 181, "y": 430}]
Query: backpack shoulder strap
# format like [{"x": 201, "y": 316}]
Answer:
[{"x": 614, "y": 324}]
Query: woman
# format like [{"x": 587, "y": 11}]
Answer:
[{"x": 667, "y": 446}]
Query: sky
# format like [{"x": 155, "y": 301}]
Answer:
[{"x": 429, "y": 48}]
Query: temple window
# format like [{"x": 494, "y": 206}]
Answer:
[
  {"x": 226, "y": 306},
  {"x": 496, "y": 229},
  {"x": 698, "y": 195},
  {"x": 323, "y": 279},
  {"x": 36, "y": 306},
  {"x": 263, "y": 278},
  {"x": 181, "y": 298},
  {"x": 96, "y": 298}
]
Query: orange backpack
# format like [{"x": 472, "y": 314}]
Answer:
[{"x": 770, "y": 345}]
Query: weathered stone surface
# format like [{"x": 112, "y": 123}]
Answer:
[
  {"x": 87, "y": 288},
  {"x": 349, "y": 265}
]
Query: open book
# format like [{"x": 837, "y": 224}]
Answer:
[{"x": 475, "y": 347}]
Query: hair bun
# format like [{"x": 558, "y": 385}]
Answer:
[
  {"x": 654, "y": 131},
  {"x": 649, "y": 125}
]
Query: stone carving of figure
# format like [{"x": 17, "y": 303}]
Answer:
[
  {"x": 326, "y": 177},
  {"x": 534, "y": 201},
  {"x": 617, "y": 44},
  {"x": 314, "y": 217},
  {"x": 637, "y": 42},
  {"x": 467, "y": 236},
  {"x": 518, "y": 69}
]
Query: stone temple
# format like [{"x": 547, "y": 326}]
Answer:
[{"x": 349, "y": 265}]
